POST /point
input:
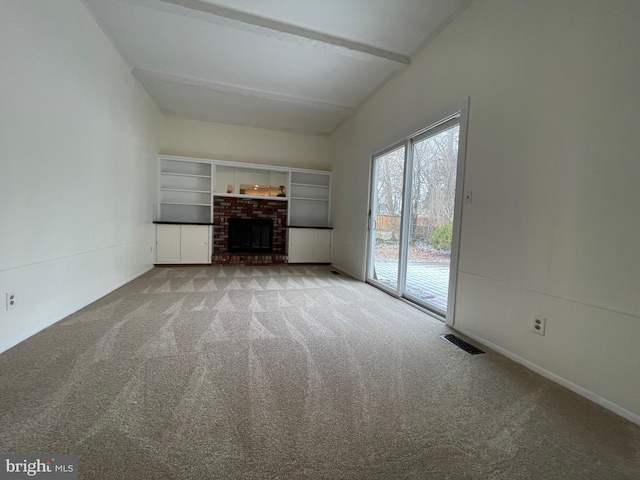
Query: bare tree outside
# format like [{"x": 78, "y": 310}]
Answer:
[
  {"x": 429, "y": 217},
  {"x": 434, "y": 188},
  {"x": 432, "y": 199},
  {"x": 390, "y": 180}
]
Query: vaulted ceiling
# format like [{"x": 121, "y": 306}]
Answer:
[{"x": 292, "y": 65}]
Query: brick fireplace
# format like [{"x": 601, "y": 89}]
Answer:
[{"x": 225, "y": 208}]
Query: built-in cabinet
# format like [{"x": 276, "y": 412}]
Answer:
[
  {"x": 186, "y": 187},
  {"x": 189, "y": 244},
  {"x": 309, "y": 204},
  {"x": 309, "y": 245},
  {"x": 185, "y": 191},
  {"x": 309, "y": 207}
]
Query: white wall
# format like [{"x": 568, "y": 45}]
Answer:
[
  {"x": 553, "y": 163},
  {"x": 77, "y": 154},
  {"x": 192, "y": 138}
]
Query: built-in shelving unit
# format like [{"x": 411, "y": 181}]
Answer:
[
  {"x": 309, "y": 203},
  {"x": 187, "y": 186},
  {"x": 185, "y": 191}
]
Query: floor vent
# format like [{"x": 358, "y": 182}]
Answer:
[
  {"x": 335, "y": 272},
  {"x": 467, "y": 347}
]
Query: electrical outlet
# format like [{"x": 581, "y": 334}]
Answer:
[
  {"x": 538, "y": 324},
  {"x": 12, "y": 300}
]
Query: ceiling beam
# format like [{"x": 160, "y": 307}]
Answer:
[
  {"x": 266, "y": 27},
  {"x": 143, "y": 74}
]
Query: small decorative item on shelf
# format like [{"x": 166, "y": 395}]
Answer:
[
  {"x": 282, "y": 191},
  {"x": 229, "y": 188}
]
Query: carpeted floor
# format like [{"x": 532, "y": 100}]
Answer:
[{"x": 290, "y": 373}]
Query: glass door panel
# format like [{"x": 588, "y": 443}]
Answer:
[
  {"x": 385, "y": 219},
  {"x": 411, "y": 217},
  {"x": 433, "y": 188}
]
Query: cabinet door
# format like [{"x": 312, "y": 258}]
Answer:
[
  {"x": 168, "y": 243},
  {"x": 322, "y": 246},
  {"x": 300, "y": 245},
  {"x": 194, "y": 242}
]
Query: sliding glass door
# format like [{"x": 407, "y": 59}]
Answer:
[
  {"x": 385, "y": 218},
  {"x": 431, "y": 206},
  {"x": 411, "y": 217}
]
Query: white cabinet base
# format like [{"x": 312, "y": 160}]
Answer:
[
  {"x": 167, "y": 243},
  {"x": 309, "y": 245},
  {"x": 194, "y": 244},
  {"x": 183, "y": 244}
]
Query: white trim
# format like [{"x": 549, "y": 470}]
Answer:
[
  {"x": 463, "y": 125},
  {"x": 366, "y": 267},
  {"x": 63, "y": 257},
  {"x": 391, "y": 148},
  {"x": 627, "y": 313},
  {"x": 441, "y": 121},
  {"x": 603, "y": 402},
  {"x": 373, "y": 207},
  {"x": 46, "y": 324},
  {"x": 227, "y": 163},
  {"x": 405, "y": 217}
]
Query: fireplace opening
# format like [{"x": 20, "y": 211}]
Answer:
[{"x": 250, "y": 235}]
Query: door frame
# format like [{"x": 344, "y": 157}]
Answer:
[
  {"x": 373, "y": 203},
  {"x": 461, "y": 111}
]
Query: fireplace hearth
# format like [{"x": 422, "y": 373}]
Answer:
[{"x": 226, "y": 209}]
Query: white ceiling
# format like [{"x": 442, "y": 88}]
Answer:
[{"x": 293, "y": 65}]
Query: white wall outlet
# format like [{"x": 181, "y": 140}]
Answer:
[
  {"x": 538, "y": 324},
  {"x": 12, "y": 300}
]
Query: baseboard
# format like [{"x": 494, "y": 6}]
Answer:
[
  {"x": 345, "y": 272},
  {"x": 74, "y": 309},
  {"x": 603, "y": 402}
]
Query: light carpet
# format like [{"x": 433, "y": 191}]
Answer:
[{"x": 290, "y": 373}]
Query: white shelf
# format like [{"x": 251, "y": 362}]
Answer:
[
  {"x": 312, "y": 199},
  {"x": 254, "y": 197},
  {"x": 310, "y": 192},
  {"x": 184, "y": 203},
  {"x": 308, "y": 185},
  {"x": 184, "y": 192},
  {"x": 170, "y": 189},
  {"x": 184, "y": 175},
  {"x": 315, "y": 179}
]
